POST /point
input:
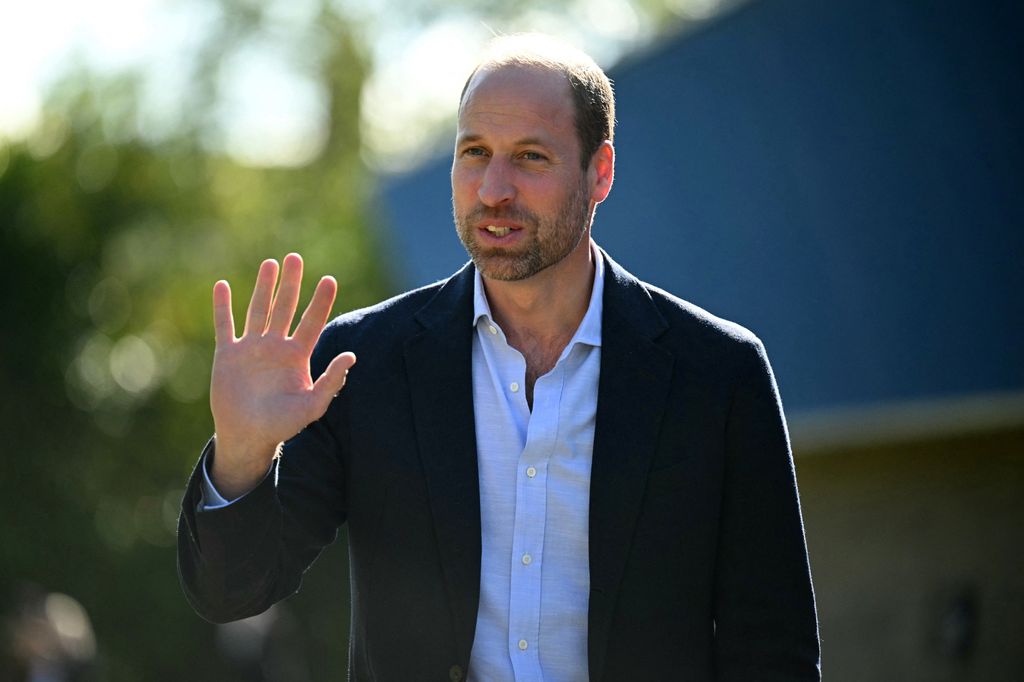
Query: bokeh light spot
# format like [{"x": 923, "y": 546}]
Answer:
[
  {"x": 133, "y": 365},
  {"x": 88, "y": 378},
  {"x": 71, "y": 624}
]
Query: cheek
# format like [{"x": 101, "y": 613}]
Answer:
[
  {"x": 551, "y": 189},
  {"x": 546, "y": 198},
  {"x": 464, "y": 186}
]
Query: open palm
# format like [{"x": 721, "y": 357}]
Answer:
[{"x": 261, "y": 392}]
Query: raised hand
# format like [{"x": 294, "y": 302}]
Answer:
[{"x": 261, "y": 392}]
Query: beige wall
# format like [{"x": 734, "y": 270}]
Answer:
[{"x": 903, "y": 539}]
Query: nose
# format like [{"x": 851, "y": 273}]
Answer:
[{"x": 496, "y": 186}]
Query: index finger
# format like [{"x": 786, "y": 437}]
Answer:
[{"x": 223, "y": 320}]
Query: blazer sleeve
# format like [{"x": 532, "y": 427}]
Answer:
[
  {"x": 765, "y": 620},
  {"x": 237, "y": 561}
]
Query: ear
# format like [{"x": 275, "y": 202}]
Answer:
[{"x": 602, "y": 172}]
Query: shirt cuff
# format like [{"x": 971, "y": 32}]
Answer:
[{"x": 212, "y": 499}]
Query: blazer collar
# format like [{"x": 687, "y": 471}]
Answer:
[{"x": 636, "y": 374}]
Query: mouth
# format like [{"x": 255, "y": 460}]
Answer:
[{"x": 498, "y": 230}]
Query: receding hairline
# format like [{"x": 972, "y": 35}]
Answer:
[
  {"x": 530, "y": 51},
  {"x": 483, "y": 70}
]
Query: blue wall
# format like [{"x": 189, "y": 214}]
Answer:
[{"x": 844, "y": 178}]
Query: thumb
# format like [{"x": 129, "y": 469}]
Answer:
[{"x": 332, "y": 381}]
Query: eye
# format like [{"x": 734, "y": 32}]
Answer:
[
  {"x": 532, "y": 156},
  {"x": 474, "y": 151}
]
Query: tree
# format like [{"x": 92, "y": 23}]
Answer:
[{"x": 112, "y": 243}]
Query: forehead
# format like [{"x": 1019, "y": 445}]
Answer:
[{"x": 517, "y": 99}]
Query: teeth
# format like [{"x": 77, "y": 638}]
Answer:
[{"x": 498, "y": 231}]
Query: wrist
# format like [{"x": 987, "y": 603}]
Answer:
[{"x": 237, "y": 467}]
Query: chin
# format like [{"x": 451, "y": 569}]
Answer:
[
  {"x": 501, "y": 270},
  {"x": 504, "y": 268}
]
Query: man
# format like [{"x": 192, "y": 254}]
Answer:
[{"x": 549, "y": 470}]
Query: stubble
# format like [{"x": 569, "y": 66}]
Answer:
[{"x": 549, "y": 240}]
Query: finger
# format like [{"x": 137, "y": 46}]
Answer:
[
  {"x": 262, "y": 294},
  {"x": 317, "y": 312},
  {"x": 223, "y": 320},
  {"x": 332, "y": 381},
  {"x": 287, "y": 298}
]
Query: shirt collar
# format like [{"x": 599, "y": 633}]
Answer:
[{"x": 589, "y": 331}]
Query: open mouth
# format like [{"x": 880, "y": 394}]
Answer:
[{"x": 498, "y": 231}]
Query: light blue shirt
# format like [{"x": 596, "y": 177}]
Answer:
[{"x": 534, "y": 501}]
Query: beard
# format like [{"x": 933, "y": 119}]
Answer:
[{"x": 548, "y": 240}]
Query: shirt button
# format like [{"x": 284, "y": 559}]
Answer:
[
  {"x": 531, "y": 471},
  {"x": 523, "y": 645},
  {"x": 514, "y": 386},
  {"x": 527, "y": 559},
  {"x": 492, "y": 329}
]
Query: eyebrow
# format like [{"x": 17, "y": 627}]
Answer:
[
  {"x": 530, "y": 142},
  {"x": 522, "y": 142},
  {"x": 463, "y": 139}
]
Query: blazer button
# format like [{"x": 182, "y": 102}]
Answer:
[{"x": 455, "y": 673}]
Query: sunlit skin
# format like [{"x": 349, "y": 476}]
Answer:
[
  {"x": 516, "y": 166},
  {"x": 261, "y": 392},
  {"x": 516, "y": 169},
  {"x": 523, "y": 206}
]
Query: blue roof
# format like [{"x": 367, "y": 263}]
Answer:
[{"x": 843, "y": 178}]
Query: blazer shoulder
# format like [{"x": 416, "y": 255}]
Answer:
[
  {"x": 385, "y": 327},
  {"x": 658, "y": 312},
  {"x": 712, "y": 349},
  {"x": 388, "y": 313},
  {"x": 691, "y": 320}
]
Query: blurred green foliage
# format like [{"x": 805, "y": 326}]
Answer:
[{"x": 111, "y": 244}]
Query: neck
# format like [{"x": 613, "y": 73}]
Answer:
[{"x": 549, "y": 306}]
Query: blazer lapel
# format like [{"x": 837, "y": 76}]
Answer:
[
  {"x": 439, "y": 367},
  {"x": 635, "y": 378}
]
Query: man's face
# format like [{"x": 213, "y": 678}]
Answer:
[{"x": 520, "y": 200}]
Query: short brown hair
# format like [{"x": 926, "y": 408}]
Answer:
[{"x": 592, "y": 94}]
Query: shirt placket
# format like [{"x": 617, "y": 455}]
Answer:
[{"x": 529, "y": 527}]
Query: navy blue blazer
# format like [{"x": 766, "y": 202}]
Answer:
[{"x": 698, "y": 567}]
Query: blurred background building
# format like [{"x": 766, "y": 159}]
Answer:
[{"x": 843, "y": 178}]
